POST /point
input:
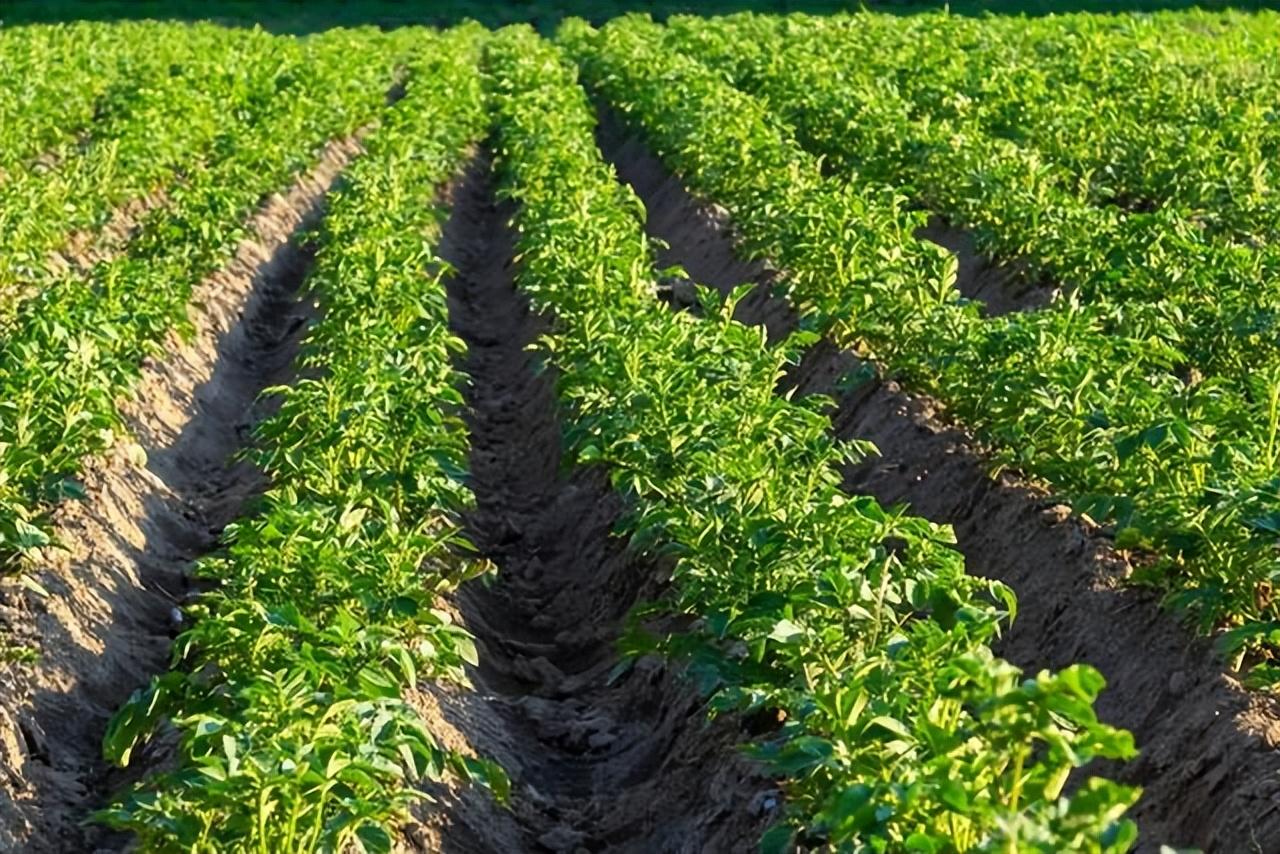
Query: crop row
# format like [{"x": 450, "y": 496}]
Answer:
[
  {"x": 922, "y": 137},
  {"x": 1173, "y": 111},
  {"x": 855, "y": 626},
  {"x": 902, "y": 731},
  {"x": 288, "y": 690},
  {"x": 1197, "y": 457},
  {"x": 186, "y": 87},
  {"x": 58, "y": 79},
  {"x": 1178, "y": 114},
  {"x": 1163, "y": 110},
  {"x": 1145, "y": 398},
  {"x": 74, "y": 347}
]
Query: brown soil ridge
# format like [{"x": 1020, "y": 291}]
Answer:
[
  {"x": 624, "y": 764},
  {"x": 1208, "y": 764},
  {"x": 85, "y": 249},
  {"x": 154, "y": 505}
]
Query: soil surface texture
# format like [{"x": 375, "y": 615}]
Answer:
[
  {"x": 155, "y": 503},
  {"x": 599, "y": 761}
]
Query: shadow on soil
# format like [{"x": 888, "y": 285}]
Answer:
[{"x": 1208, "y": 764}]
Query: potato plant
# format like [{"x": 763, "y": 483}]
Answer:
[
  {"x": 1145, "y": 396},
  {"x": 287, "y": 691},
  {"x": 1124, "y": 160},
  {"x": 903, "y": 732},
  {"x": 59, "y": 79},
  {"x": 158, "y": 124},
  {"x": 74, "y": 347}
]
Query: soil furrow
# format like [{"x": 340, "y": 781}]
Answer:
[
  {"x": 85, "y": 249},
  {"x": 1208, "y": 761},
  {"x": 597, "y": 763},
  {"x": 155, "y": 503},
  {"x": 1002, "y": 288},
  {"x": 999, "y": 285}
]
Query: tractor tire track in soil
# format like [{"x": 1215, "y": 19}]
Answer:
[
  {"x": 597, "y": 764},
  {"x": 117, "y": 588},
  {"x": 1208, "y": 764}
]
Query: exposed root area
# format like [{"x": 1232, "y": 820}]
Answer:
[
  {"x": 1208, "y": 764},
  {"x": 155, "y": 504},
  {"x": 598, "y": 764}
]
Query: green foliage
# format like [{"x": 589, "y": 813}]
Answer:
[
  {"x": 1143, "y": 396},
  {"x": 11, "y": 653},
  {"x": 904, "y": 732},
  {"x": 1149, "y": 395},
  {"x": 73, "y": 348},
  {"x": 299, "y": 16},
  {"x": 58, "y": 80},
  {"x": 156, "y": 112},
  {"x": 288, "y": 696}
]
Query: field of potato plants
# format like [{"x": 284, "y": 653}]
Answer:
[{"x": 768, "y": 432}]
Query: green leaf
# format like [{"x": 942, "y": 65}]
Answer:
[
  {"x": 374, "y": 839},
  {"x": 951, "y": 793},
  {"x": 785, "y": 631},
  {"x": 777, "y": 839},
  {"x": 29, "y": 536}
]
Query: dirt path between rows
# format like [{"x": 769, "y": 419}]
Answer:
[
  {"x": 1209, "y": 763},
  {"x": 999, "y": 288},
  {"x": 83, "y": 250},
  {"x": 117, "y": 588},
  {"x": 597, "y": 764}
]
